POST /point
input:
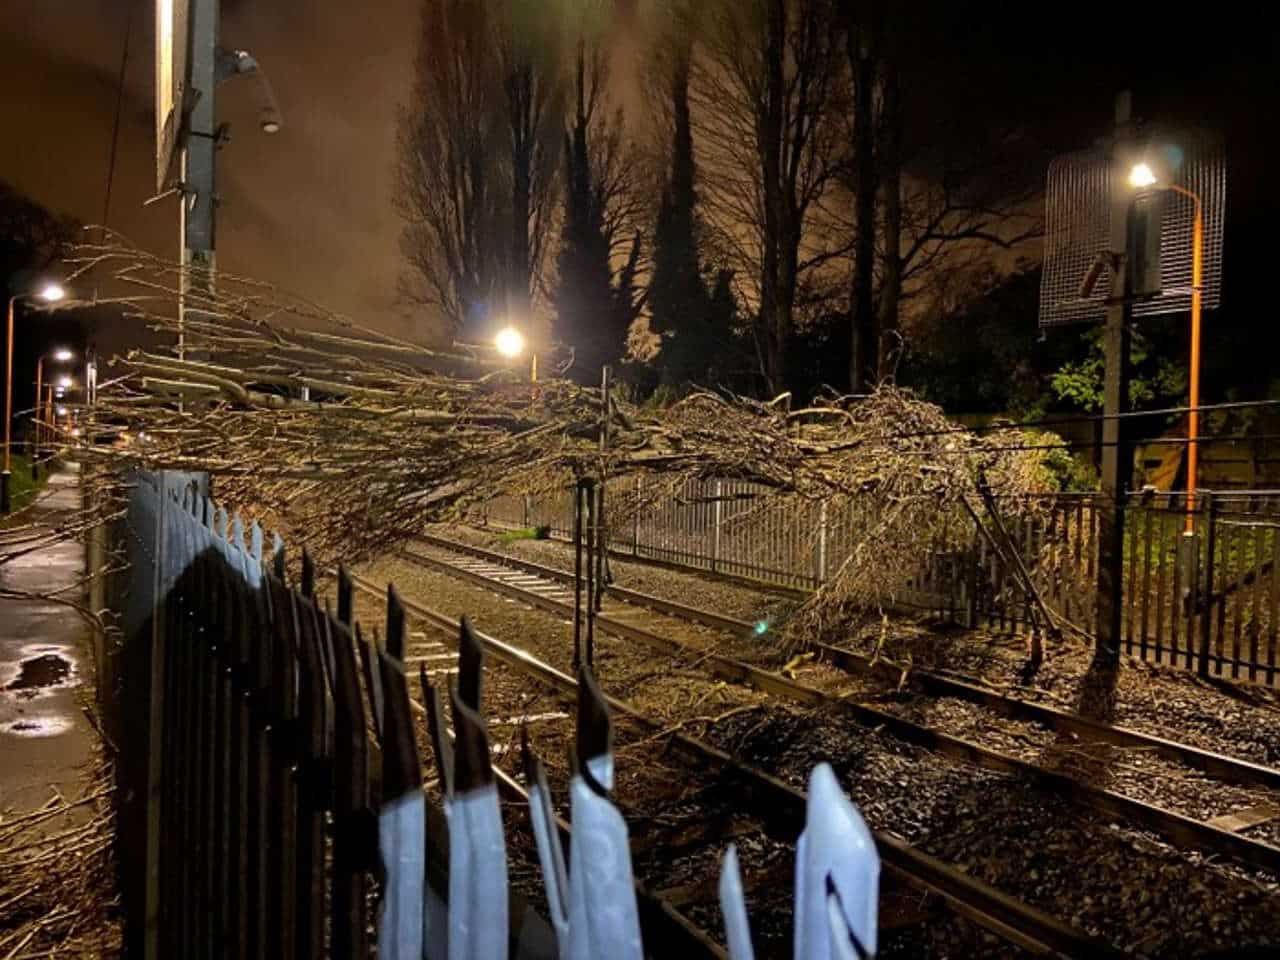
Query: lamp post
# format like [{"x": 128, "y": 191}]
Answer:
[
  {"x": 51, "y": 293},
  {"x": 61, "y": 355},
  {"x": 1142, "y": 176}
]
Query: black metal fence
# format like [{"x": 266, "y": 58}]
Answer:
[
  {"x": 1204, "y": 595},
  {"x": 254, "y": 768},
  {"x": 272, "y": 795}
]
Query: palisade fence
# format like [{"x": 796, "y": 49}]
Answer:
[
  {"x": 1206, "y": 600},
  {"x": 272, "y": 800}
]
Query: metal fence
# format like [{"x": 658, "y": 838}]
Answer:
[
  {"x": 272, "y": 789},
  {"x": 1206, "y": 598},
  {"x": 250, "y": 763}
]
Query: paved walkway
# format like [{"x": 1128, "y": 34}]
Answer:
[{"x": 45, "y": 657}]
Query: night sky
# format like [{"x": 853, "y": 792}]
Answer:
[{"x": 310, "y": 208}]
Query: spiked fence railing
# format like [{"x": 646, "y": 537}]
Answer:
[{"x": 273, "y": 802}]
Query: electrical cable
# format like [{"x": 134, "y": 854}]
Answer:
[
  {"x": 1091, "y": 444},
  {"x": 1084, "y": 418},
  {"x": 115, "y": 126}
]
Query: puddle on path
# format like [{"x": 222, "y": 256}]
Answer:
[
  {"x": 40, "y": 673},
  {"x": 36, "y": 726}
]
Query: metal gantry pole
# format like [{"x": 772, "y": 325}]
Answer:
[
  {"x": 199, "y": 149},
  {"x": 1116, "y": 462}
]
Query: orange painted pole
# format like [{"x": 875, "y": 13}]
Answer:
[
  {"x": 1193, "y": 418},
  {"x": 36, "y": 424},
  {"x": 8, "y": 411},
  {"x": 8, "y": 383}
]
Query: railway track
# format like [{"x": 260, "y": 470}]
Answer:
[
  {"x": 545, "y": 587},
  {"x": 770, "y": 801}
]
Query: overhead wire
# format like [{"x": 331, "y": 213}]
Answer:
[
  {"x": 1091, "y": 444},
  {"x": 115, "y": 125},
  {"x": 1063, "y": 421}
]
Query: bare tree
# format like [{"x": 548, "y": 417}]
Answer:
[
  {"x": 764, "y": 100},
  {"x": 924, "y": 212},
  {"x": 533, "y": 86},
  {"x": 860, "y": 47},
  {"x": 598, "y": 295},
  {"x": 450, "y": 174},
  {"x": 972, "y": 200}
]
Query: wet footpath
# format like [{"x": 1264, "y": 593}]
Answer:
[{"x": 46, "y": 740}]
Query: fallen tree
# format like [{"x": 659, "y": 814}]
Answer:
[{"x": 395, "y": 435}]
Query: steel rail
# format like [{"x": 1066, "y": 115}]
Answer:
[
  {"x": 784, "y": 805},
  {"x": 1175, "y": 826},
  {"x": 1219, "y": 765},
  {"x": 738, "y": 580}
]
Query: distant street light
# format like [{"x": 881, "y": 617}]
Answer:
[
  {"x": 60, "y": 355},
  {"x": 1140, "y": 177},
  {"x": 50, "y": 293},
  {"x": 64, "y": 383},
  {"x": 510, "y": 342}
]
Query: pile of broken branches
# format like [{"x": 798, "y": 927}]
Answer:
[
  {"x": 57, "y": 876},
  {"x": 346, "y": 439}
]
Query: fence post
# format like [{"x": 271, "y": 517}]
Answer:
[
  {"x": 715, "y": 531},
  {"x": 635, "y": 521},
  {"x": 525, "y": 520},
  {"x": 972, "y": 574},
  {"x": 155, "y": 730},
  {"x": 1205, "y": 604},
  {"x": 822, "y": 544}
]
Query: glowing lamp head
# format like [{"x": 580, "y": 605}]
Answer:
[
  {"x": 509, "y": 341},
  {"x": 62, "y": 411},
  {"x": 52, "y": 293},
  {"x": 63, "y": 355},
  {"x": 1142, "y": 176},
  {"x": 64, "y": 383}
]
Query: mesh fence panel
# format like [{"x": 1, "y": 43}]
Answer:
[{"x": 1077, "y": 229}]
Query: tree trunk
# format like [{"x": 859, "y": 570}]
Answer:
[
  {"x": 771, "y": 141},
  {"x": 523, "y": 140},
  {"x": 864, "y": 357},
  {"x": 891, "y": 186}
]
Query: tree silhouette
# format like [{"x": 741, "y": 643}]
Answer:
[{"x": 596, "y": 305}]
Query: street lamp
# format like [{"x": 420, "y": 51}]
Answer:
[
  {"x": 511, "y": 344},
  {"x": 1142, "y": 176},
  {"x": 50, "y": 293},
  {"x": 61, "y": 355}
]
